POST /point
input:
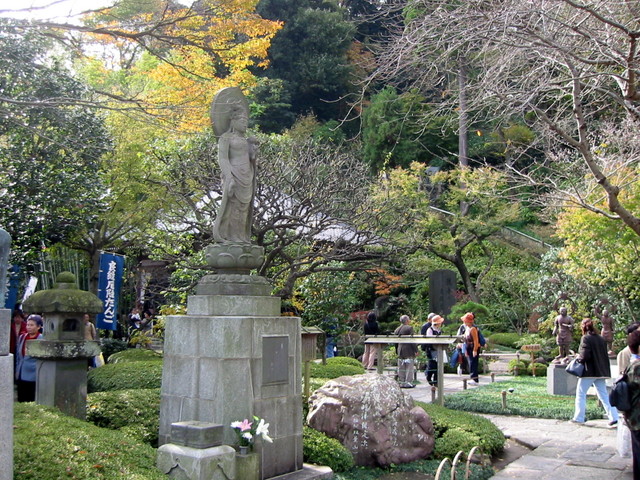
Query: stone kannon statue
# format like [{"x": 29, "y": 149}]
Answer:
[
  {"x": 5, "y": 246},
  {"x": 237, "y": 158},
  {"x": 607, "y": 330},
  {"x": 563, "y": 330}
]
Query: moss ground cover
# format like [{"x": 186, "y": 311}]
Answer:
[
  {"x": 135, "y": 413},
  {"x": 529, "y": 398},
  {"x": 49, "y": 445}
]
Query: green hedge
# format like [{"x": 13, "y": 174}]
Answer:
[
  {"x": 505, "y": 339},
  {"x": 344, "y": 361},
  {"x": 135, "y": 355},
  {"x": 49, "y": 445},
  {"x": 458, "y": 430},
  {"x": 540, "y": 368},
  {"x": 518, "y": 367},
  {"x": 134, "y": 412},
  {"x": 319, "y": 449},
  {"x": 125, "y": 376},
  {"x": 335, "y": 369}
]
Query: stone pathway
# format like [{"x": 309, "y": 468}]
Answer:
[{"x": 559, "y": 449}]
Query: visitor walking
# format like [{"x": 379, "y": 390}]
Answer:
[
  {"x": 593, "y": 354},
  {"x": 632, "y": 417},
  {"x": 434, "y": 330},
  {"x": 371, "y": 327},
  {"x": 406, "y": 354},
  {"x": 471, "y": 346}
]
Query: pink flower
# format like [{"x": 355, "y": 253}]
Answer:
[{"x": 242, "y": 426}]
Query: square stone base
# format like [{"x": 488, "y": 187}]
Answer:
[
  {"x": 559, "y": 382},
  {"x": 222, "y": 369}
]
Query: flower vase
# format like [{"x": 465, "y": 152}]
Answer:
[{"x": 244, "y": 449}]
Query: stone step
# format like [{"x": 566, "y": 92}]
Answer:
[{"x": 308, "y": 472}]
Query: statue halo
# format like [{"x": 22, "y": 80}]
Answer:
[{"x": 221, "y": 106}]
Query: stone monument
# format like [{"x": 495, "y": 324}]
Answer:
[
  {"x": 232, "y": 356},
  {"x": 63, "y": 352},
  {"x": 6, "y": 368},
  {"x": 442, "y": 286}
]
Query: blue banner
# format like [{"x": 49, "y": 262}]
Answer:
[
  {"x": 14, "y": 283},
  {"x": 109, "y": 283}
]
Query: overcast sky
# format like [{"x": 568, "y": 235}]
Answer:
[{"x": 52, "y": 9}]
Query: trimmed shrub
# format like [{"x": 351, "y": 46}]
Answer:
[
  {"x": 344, "y": 361},
  {"x": 458, "y": 430},
  {"x": 334, "y": 370},
  {"x": 125, "y": 376},
  {"x": 134, "y": 412},
  {"x": 109, "y": 346},
  {"x": 540, "y": 368},
  {"x": 319, "y": 449},
  {"x": 135, "y": 355},
  {"x": 504, "y": 339},
  {"x": 50, "y": 445},
  {"x": 518, "y": 367}
]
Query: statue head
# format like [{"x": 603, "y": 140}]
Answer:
[{"x": 563, "y": 311}]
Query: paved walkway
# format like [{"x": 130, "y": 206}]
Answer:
[{"x": 559, "y": 450}]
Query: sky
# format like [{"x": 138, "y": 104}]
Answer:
[{"x": 52, "y": 9}]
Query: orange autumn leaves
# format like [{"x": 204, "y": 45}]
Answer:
[{"x": 197, "y": 51}]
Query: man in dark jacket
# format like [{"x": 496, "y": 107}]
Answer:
[
  {"x": 406, "y": 354},
  {"x": 593, "y": 353}
]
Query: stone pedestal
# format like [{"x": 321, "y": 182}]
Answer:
[
  {"x": 232, "y": 357},
  {"x": 6, "y": 398},
  {"x": 559, "y": 382},
  {"x": 188, "y": 463}
]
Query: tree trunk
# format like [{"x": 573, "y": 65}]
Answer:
[{"x": 463, "y": 119}]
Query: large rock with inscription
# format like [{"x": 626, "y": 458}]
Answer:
[{"x": 371, "y": 416}]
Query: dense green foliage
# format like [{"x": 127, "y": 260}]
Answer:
[
  {"x": 135, "y": 355},
  {"x": 330, "y": 371},
  {"x": 319, "y": 449},
  {"x": 50, "y": 147},
  {"x": 125, "y": 376},
  {"x": 458, "y": 430},
  {"x": 391, "y": 126},
  {"x": 109, "y": 346},
  {"x": 539, "y": 369},
  {"x": 50, "y": 445},
  {"x": 135, "y": 413},
  {"x": 507, "y": 339},
  {"x": 529, "y": 398},
  {"x": 518, "y": 367},
  {"x": 309, "y": 57}
]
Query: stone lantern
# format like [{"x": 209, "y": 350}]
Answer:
[{"x": 63, "y": 352}]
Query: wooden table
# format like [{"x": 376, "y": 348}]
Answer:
[{"x": 439, "y": 342}]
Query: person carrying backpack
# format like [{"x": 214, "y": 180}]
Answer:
[
  {"x": 472, "y": 343},
  {"x": 632, "y": 417}
]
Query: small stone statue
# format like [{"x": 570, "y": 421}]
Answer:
[
  {"x": 5, "y": 248},
  {"x": 237, "y": 158},
  {"x": 563, "y": 330},
  {"x": 607, "y": 331}
]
